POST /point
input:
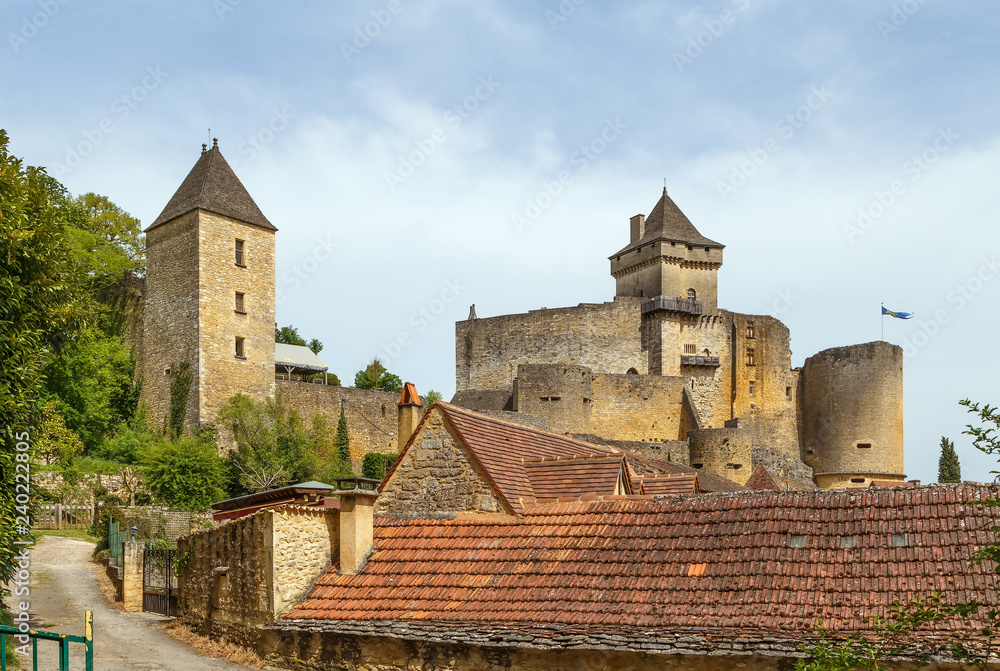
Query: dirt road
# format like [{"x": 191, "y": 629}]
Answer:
[{"x": 63, "y": 588}]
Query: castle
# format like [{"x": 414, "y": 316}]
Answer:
[{"x": 663, "y": 370}]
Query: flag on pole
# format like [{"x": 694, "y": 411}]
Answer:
[{"x": 897, "y": 315}]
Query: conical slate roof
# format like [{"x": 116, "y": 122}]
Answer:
[
  {"x": 667, "y": 222},
  {"x": 212, "y": 185}
]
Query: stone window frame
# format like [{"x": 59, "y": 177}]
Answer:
[
  {"x": 240, "y": 306},
  {"x": 241, "y": 250},
  {"x": 751, "y": 357},
  {"x": 241, "y": 347},
  {"x": 690, "y": 348},
  {"x": 692, "y": 294},
  {"x": 751, "y": 331},
  {"x": 751, "y": 388}
]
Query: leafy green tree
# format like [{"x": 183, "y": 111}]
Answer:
[
  {"x": 315, "y": 345},
  {"x": 185, "y": 473},
  {"x": 342, "y": 448},
  {"x": 949, "y": 470},
  {"x": 38, "y": 314},
  {"x": 375, "y": 376},
  {"x": 377, "y": 465},
  {"x": 54, "y": 442},
  {"x": 431, "y": 397},
  {"x": 289, "y": 335},
  {"x": 130, "y": 442},
  {"x": 272, "y": 443}
]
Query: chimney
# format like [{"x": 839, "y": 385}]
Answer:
[
  {"x": 638, "y": 223},
  {"x": 357, "y": 506},
  {"x": 410, "y": 411}
]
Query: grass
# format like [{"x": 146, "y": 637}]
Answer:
[{"x": 65, "y": 533}]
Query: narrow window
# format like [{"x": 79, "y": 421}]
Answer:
[
  {"x": 631, "y": 371},
  {"x": 689, "y": 349},
  {"x": 751, "y": 358},
  {"x": 239, "y": 347},
  {"x": 788, "y": 392},
  {"x": 864, "y": 446},
  {"x": 751, "y": 387},
  {"x": 692, "y": 294},
  {"x": 750, "y": 330},
  {"x": 239, "y": 303},
  {"x": 383, "y": 410},
  {"x": 858, "y": 481},
  {"x": 239, "y": 253}
]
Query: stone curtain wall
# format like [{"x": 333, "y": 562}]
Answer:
[
  {"x": 637, "y": 407},
  {"x": 604, "y": 337},
  {"x": 437, "y": 476},
  {"x": 242, "y": 574},
  {"x": 170, "y": 314},
  {"x": 222, "y": 373},
  {"x": 371, "y": 413}
]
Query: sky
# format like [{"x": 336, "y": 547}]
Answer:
[{"x": 419, "y": 157}]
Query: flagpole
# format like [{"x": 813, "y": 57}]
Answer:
[{"x": 882, "y": 317}]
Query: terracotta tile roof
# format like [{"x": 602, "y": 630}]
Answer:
[
  {"x": 501, "y": 448},
  {"x": 761, "y": 479},
  {"x": 683, "y": 485},
  {"x": 707, "y": 482},
  {"x": 773, "y": 562},
  {"x": 892, "y": 483},
  {"x": 577, "y": 476},
  {"x": 212, "y": 185}
]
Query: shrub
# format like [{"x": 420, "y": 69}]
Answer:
[{"x": 376, "y": 465}]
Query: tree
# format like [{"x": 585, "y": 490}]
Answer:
[
  {"x": 38, "y": 314},
  {"x": 53, "y": 441},
  {"x": 949, "y": 470},
  {"x": 185, "y": 473},
  {"x": 289, "y": 335},
  {"x": 272, "y": 443},
  {"x": 375, "y": 376},
  {"x": 342, "y": 447},
  {"x": 431, "y": 397}
]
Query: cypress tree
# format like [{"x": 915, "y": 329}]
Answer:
[
  {"x": 342, "y": 444},
  {"x": 949, "y": 470}
]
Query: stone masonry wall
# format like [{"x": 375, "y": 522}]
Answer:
[
  {"x": 853, "y": 396},
  {"x": 371, "y": 413},
  {"x": 437, "y": 477},
  {"x": 223, "y": 374},
  {"x": 637, "y": 407},
  {"x": 243, "y": 573},
  {"x": 604, "y": 337},
  {"x": 170, "y": 314}
]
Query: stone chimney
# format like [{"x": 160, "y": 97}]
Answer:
[
  {"x": 410, "y": 412},
  {"x": 357, "y": 505},
  {"x": 638, "y": 226}
]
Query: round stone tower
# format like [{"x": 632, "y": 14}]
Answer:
[{"x": 852, "y": 415}]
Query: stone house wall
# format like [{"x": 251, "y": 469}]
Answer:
[
  {"x": 438, "y": 473},
  {"x": 242, "y": 574}
]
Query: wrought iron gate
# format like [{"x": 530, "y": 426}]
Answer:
[{"x": 159, "y": 584}]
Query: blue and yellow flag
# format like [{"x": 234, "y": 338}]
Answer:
[{"x": 897, "y": 315}]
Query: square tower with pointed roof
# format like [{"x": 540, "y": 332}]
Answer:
[
  {"x": 667, "y": 256},
  {"x": 209, "y": 298}
]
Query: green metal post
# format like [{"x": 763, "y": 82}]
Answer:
[
  {"x": 3, "y": 652},
  {"x": 34, "y": 653}
]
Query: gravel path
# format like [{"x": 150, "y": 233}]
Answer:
[{"x": 63, "y": 588}]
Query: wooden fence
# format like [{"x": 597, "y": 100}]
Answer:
[{"x": 62, "y": 516}]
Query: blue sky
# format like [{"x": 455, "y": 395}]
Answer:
[{"x": 842, "y": 151}]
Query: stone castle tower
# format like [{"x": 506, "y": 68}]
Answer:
[
  {"x": 665, "y": 371},
  {"x": 209, "y": 295}
]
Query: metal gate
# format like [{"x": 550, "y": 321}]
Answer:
[{"x": 159, "y": 584}]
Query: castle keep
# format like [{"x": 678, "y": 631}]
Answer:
[{"x": 662, "y": 369}]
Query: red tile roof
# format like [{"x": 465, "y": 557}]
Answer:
[
  {"x": 724, "y": 561},
  {"x": 501, "y": 448},
  {"x": 707, "y": 482},
  {"x": 683, "y": 485},
  {"x": 577, "y": 476},
  {"x": 761, "y": 479}
]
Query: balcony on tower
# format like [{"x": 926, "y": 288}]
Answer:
[{"x": 671, "y": 304}]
